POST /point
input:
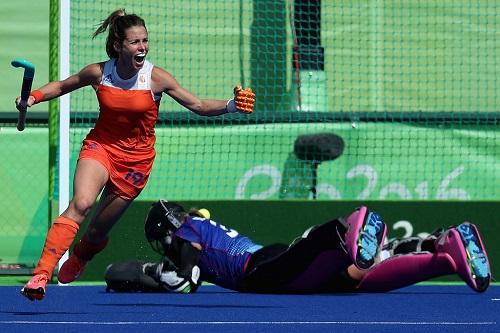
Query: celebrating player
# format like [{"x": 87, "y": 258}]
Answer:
[
  {"x": 118, "y": 153},
  {"x": 338, "y": 256}
]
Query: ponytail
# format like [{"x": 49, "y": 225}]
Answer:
[{"x": 116, "y": 24}]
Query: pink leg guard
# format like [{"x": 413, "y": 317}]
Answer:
[
  {"x": 364, "y": 237},
  {"x": 463, "y": 243},
  {"x": 404, "y": 270}
]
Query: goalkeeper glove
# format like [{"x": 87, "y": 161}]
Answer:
[
  {"x": 243, "y": 101},
  {"x": 175, "y": 283}
]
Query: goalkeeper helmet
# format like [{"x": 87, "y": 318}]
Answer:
[{"x": 163, "y": 219}]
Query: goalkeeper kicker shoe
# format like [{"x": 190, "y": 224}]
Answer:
[
  {"x": 35, "y": 288},
  {"x": 71, "y": 269},
  {"x": 364, "y": 237},
  {"x": 464, "y": 245}
]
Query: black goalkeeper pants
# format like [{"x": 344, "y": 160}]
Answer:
[{"x": 277, "y": 268}]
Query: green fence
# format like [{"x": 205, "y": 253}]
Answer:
[{"x": 410, "y": 87}]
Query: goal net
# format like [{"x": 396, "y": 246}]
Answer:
[{"x": 410, "y": 88}]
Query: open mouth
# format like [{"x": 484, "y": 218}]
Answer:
[{"x": 139, "y": 58}]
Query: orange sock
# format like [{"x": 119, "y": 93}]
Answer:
[
  {"x": 86, "y": 250},
  {"x": 61, "y": 235}
]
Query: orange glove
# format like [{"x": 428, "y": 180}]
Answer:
[{"x": 243, "y": 101}]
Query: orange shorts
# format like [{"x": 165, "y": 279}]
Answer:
[{"x": 128, "y": 173}]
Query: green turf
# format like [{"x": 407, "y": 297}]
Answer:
[
  {"x": 15, "y": 280},
  {"x": 24, "y": 33}
]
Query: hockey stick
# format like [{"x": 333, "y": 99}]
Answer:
[{"x": 29, "y": 73}]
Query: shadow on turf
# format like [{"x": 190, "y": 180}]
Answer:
[
  {"x": 205, "y": 305},
  {"x": 32, "y": 313}
]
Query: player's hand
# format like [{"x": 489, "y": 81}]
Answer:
[
  {"x": 30, "y": 102},
  {"x": 243, "y": 101}
]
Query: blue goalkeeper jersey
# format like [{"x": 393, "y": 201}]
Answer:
[{"x": 224, "y": 251}]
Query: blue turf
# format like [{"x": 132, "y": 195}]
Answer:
[{"x": 213, "y": 309}]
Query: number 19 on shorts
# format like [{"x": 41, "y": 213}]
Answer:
[{"x": 134, "y": 177}]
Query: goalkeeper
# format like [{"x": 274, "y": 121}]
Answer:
[{"x": 338, "y": 256}]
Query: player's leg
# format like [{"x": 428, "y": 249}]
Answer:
[
  {"x": 405, "y": 261},
  {"x": 121, "y": 189},
  {"x": 59, "y": 238},
  {"x": 458, "y": 250},
  {"x": 464, "y": 245},
  {"x": 108, "y": 211},
  {"x": 275, "y": 267},
  {"x": 320, "y": 253},
  {"x": 405, "y": 270},
  {"x": 364, "y": 235},
  {"x": 360, "y": 235},
  {"x": 90, "y": 177}
]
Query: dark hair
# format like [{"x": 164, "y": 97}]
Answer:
[{"x": 117, "y": 23}]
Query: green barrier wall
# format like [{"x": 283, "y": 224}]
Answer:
[{"x": 281, "y": 221}]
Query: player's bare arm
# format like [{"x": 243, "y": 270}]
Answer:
[
  {"x": 89, "y": 75},
  {"x": 162, "y": 81},
  {"x": 197, "y": 246}
]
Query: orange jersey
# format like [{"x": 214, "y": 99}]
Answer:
[
  {"x": 128, "y": 110},
  {"x": 123, "y": 137}
]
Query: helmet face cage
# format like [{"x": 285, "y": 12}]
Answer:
[
  {"x": 163, "y": 219},
  {"x": 171, "y": 212}
]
